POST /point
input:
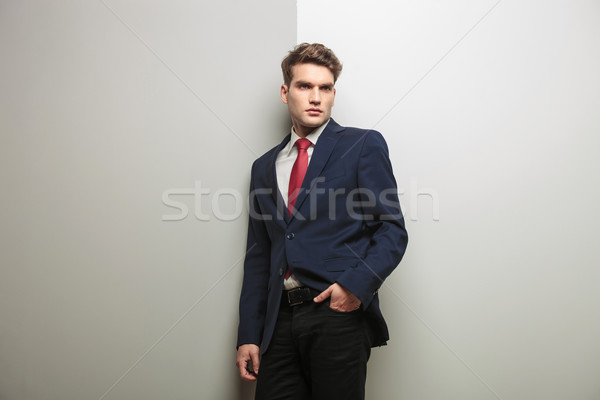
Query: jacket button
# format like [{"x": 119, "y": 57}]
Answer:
[
  {"x": 280, "y": 271},
  {"x": 290, "y": 236}
]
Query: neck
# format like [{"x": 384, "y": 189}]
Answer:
[{"x": 303, "y": 131}]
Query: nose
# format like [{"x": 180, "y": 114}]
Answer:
[{"x": 315, "y": 96}]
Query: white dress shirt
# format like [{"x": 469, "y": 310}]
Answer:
[{"x": 283, "y": 167}]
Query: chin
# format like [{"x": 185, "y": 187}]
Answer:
[{"x": 315, "y": 122}]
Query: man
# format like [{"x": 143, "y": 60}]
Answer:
[{"x": 325, "y": 230}]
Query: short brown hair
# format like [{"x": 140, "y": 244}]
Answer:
[{"x": 310, "y": 53}]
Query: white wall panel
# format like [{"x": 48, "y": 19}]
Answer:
[{"x": 490, "y": 110}]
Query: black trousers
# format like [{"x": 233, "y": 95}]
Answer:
[{"x": 316, "y": 354}]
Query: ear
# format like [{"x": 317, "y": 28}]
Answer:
[
  {"x": 333, "y": 103},
  {"x": 284, "y": 93}
]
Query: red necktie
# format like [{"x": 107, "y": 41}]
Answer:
[
  {"x": 298, "y": 172},
  {"x": 296, "y": 178}
]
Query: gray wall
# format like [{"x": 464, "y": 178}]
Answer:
[
  {"x": 491, "y": 112},
  {"x": 112, "y": 111},
  {"x": 105, "y": 107}
]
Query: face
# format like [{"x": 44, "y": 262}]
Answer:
[{"x": 309, "y": 97}]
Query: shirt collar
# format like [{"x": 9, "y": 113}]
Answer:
[{"x": 313, "y": 136}]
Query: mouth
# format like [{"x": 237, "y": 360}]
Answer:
[{"x": 314, "y": 111}]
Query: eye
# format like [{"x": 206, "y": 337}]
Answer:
[
  {"x": 304, "y": 86},
  {"x": 327, "y": 88}
]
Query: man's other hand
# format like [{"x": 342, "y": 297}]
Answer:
[
  {"x": 247, "y": 357},
  {"x": 341, "y": 298}
]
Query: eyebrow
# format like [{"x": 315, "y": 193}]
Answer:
[{"x": 311, "y": 84}]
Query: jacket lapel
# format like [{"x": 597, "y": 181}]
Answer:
[
  {"x": 282, "y": 213},
  {"x": 319, "y": 158}
]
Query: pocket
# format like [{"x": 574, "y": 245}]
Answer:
[
  {"x": 338, "y": 175},
  {"x": 328, "y": 305},
  {"x": 339, "y": 263}
]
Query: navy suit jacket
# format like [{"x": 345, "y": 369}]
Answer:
[{"x": 347, "y": 228}]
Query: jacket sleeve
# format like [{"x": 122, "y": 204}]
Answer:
[
  {"x": 382, "y": 218},
  {"x": 253, "y": 299}
]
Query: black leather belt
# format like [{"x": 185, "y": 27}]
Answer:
[{"x": 297, "y": 296}]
